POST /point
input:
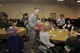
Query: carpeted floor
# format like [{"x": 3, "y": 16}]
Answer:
[{"x": 27, "y": 48}]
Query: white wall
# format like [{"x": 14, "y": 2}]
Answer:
[
  {"x": 15, "y": 10},
  {"x": 77, "y": 11}
]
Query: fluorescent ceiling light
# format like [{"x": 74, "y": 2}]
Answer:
[
  {"x": 60, "y": 0},
  {"x": 78, "y": 0}
]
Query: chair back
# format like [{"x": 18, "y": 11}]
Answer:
[{"x": 42, "y": 47}]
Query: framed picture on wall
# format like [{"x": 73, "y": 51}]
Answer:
[{"x": 53, "y": 15}]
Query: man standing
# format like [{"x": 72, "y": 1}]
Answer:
[{"x": 32, "y": 20}]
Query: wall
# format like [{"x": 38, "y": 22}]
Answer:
[
  {"x": 15, "y": 10},
  {"x": 77, "y": 11}
]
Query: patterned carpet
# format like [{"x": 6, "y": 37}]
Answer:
[{"x": 27, "y": 48}]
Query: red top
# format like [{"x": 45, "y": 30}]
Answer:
[{"x": 39, "y": 27}]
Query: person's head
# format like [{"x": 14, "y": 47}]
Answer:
[
  {"x": 36, "y": 11},
  {"x": 18, "y": 20},
  {"x": 25, "y": 16},
  {"x": 61, "y": 15},
  {"x": 13, "y": 23},
  {"x": 4, "y": 16},
  {"x": 46, "y": 26},
  {"x": 38, "y": 22}
]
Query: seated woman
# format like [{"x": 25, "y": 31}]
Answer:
[
  {"x": 39, "y": 28},
  {"x": 14, "y": 42},
  {"x": 44, "y": 36},
  {"x": 39, "y": 25},
  {"x": 69, "y": 26}
]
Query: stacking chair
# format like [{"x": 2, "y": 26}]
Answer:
[{"x": 41, "y": 47}]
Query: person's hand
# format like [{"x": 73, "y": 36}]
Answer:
[
  {"x": 52, "y": 45},
  {"x": 36, "y": 28},
  {"x": 67, "y": 49},
  {"x": 54, "y": 36},
  {"x": 51, "y": 35},
  {"x": 53, "y": 29},
  {"x": 7, "y": 50}
]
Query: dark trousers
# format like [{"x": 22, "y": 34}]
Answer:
[
  {"x": 60, "y": 47},
  {"x": 52, "y": 49}
]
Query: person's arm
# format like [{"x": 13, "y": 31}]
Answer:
[
  {"x": 30, "y": 19},
  {"x": 64, "y": 26},
  {"x": 48, "y": 42},
  {"x": 64, "y": 20},
  {"x": 72, "y": 28},
  {"x": 57, "y": 20}
]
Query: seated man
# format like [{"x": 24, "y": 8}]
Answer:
[{"x": 73, "y": 45}]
